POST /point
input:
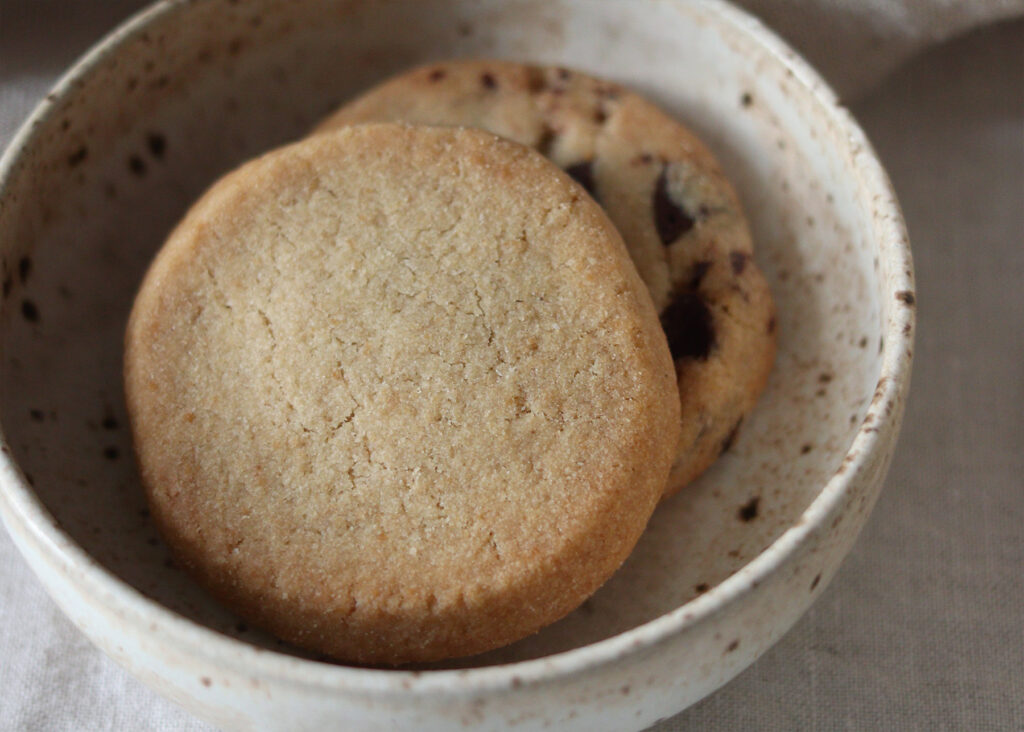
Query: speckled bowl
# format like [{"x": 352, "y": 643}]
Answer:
[{"x": 187, "y": 90}]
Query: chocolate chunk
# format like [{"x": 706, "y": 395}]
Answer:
[
  {"x": 688, "y": 326},
  {"x": 671, "y": 220},
  {"x": 111, "y": 453},
  {"x": 697, "y": 274},
  {"x": 24, "y": 269},
  {"x": 488, "y": 80},
  {"x": 738, "y": 260},
  {"x": 583, "y": 173},
  {"x": 437, "y": 74}
]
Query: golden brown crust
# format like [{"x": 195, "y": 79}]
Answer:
[
  {"x": 398, "y": 394},
  {"x": 679, "y": 216}
]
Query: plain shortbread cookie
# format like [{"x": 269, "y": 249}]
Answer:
[
  {"x": 398, "y": 393},
  {"x": 679, "y": 216}
]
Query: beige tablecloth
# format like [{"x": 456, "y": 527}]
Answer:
[{"x": 923, "y": 628}]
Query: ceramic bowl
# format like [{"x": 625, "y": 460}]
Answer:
[{"x": 187, "y": 90}]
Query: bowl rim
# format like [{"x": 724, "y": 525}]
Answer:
[{"x": 19, "y": 503}]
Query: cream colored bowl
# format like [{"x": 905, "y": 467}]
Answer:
[{"x": 187, "y": 90}]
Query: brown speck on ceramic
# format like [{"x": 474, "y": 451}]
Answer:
[
  {"x": 206, "y": 681},
  {"x": 157, "y": 144},
  {"x": 805, "y": 449},
  {"x": 906, "y": 296},
  {"x": 24, "y": 269},
  {"x": 749, "y": 510},
  {"x": 437, "y": 75},
  {"x": 702, "y": 588},
  {"x": 137, "y": 165},
  {"x": 488, "y": 81},
  {"x": 746, "y": 99},
  {"x": 78, "y": 156},
  {"x": 625, "y": 690},
  {"x": 29, "y": 311},
  {"x": 815, "y": 581},
  {"x": 732, "y": 646}
]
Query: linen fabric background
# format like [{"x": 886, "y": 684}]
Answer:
[{"x": 923, "y": 627}]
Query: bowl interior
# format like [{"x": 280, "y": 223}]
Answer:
[{"x": 122, "y": 153}]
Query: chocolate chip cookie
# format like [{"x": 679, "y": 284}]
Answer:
[{"x": 679, "y": 216}]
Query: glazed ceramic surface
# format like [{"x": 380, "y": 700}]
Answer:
[{"x": 186, "y": 91}]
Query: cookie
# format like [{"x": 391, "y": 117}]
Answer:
[
  {"x": 679, "y": 216},
  {"x": 398, "y": 394}
]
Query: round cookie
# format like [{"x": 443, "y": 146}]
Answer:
[
  {"x": 679, "y": 216},
  {"x": 398, "y": 394}
]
